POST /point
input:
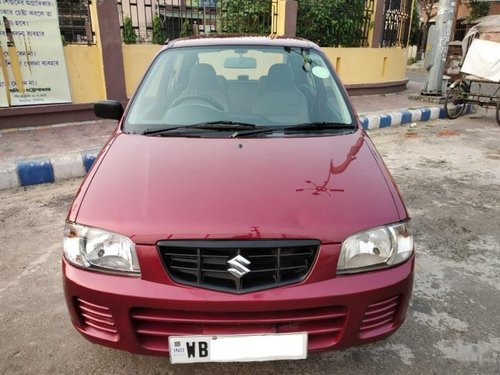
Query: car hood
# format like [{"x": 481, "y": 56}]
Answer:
[{"x": 321, "y": 187}]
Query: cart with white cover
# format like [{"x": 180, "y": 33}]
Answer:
[{"x": 480, "y": 83}]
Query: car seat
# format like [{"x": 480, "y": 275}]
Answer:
[{"x": 281, "y": 101}]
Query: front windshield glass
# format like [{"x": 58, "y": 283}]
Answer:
[{"x": 262, "y": 86}]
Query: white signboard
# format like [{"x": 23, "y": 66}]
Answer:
[{"x": 33, "y": 70}]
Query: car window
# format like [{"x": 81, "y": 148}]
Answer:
[{"x": 271, "y": 86}]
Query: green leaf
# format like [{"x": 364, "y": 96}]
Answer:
[{"x": 129, "y": 35}]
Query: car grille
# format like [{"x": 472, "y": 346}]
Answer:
[
  {"x": 324, "y": 325},
  {"x": 379, "y": 316},
  {"x": 205, "y": 264}
]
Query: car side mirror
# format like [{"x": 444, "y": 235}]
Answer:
[{"x": 111, "y": 109}]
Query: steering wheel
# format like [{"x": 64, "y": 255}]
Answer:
[{"x": 213, "y": 102}]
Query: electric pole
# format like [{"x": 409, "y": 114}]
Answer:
[{"x": 437, "y": 45}]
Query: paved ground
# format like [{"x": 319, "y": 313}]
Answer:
[
  {"x": 449, "y": 175},
  {"x": 47, "y": 141},
  {"x": 415, "y": 76}
]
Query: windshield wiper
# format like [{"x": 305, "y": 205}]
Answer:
[
  {"x": 245, "y": 129},
  {"x": 298, "y": 127},
  {"x": 212, "y": 125},
  {"x": 224, "y": 125},
  {"x": 321, "y": 126}
]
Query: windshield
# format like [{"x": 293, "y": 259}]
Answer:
[{"x": 250, "y": 85}]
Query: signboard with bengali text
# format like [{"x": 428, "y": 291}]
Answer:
[{"x": 33, "y": 69}]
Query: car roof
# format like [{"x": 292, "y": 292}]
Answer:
[{"x": 240, "y": 40}]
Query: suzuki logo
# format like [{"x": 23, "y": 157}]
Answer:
[{"x": 238, "y": 268}]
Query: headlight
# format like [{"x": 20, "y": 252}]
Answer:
[
  {"x": 99, "y": 250},
  {"x": 376, "y": 248}
]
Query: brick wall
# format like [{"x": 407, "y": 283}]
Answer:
[{"x": 495, "y": 8}]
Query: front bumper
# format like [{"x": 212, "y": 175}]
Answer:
[{"x": 138, "y": 314}]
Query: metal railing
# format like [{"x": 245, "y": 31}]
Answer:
[
  {"x": 75, "y": 22},
  {"x": 367, "y": 22},
  {"x": 397, "y": 18},
  {"x": 187, "y": 17}
]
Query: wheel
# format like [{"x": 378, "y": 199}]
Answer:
[
  {"x": 199, "y": 97},
  {"x": 498, "y": 112},
  {"x": 455, "y": 102}
]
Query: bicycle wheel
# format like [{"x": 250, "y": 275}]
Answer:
[
  {"x": 498, "y": 112},
  {"x": 455, "y": 102}
]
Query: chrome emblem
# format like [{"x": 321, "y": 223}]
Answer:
[{"x": 238, "y": 268}]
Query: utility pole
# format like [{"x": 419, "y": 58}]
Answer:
[
  {"x": 204, "y": 17},
  {"x": 438, "y": 44}
]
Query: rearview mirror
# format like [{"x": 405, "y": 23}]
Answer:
[
  {"x": 111, "y": 109},
  {"x": 240, "y": 63}
]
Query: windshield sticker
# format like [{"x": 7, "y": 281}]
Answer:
[{"x": 320, "y": 72}]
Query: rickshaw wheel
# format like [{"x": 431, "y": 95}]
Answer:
[{"x": 454, "y": 104}]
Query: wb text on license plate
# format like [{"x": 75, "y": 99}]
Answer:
[{"x": 237, "y": 348}]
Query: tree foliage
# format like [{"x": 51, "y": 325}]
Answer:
[
  {"x": 415, "y": 25},
  {"x": 246, "y": 16},
  {"x": 158, "y": 34},
  {"x": 129, "y": 35},
  {"x": 478, "y": 9},
  {"x": 331, "y": 22},
  {"x": 326, "y": 22},
  {"x": 186, "y": 29}
]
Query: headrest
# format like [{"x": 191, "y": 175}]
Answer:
[
  {"x": 202, "y": 76},
  {"x": 279, "y": 78}
]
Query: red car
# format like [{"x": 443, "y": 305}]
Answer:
[{"x": 239, "y": 212}]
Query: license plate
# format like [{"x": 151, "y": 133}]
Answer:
[{"x": 237, "y": 348}]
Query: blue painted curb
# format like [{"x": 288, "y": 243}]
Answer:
[
  {"x": 371, "y": 121},
  {"x": 35, "y": 171},
  {"x": 47, "y": 170},
  {"x": 88, "y": 159}
]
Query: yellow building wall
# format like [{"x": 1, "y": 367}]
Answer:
[
  {"x": 136, "y": 58},
  {"x": 280, "y": 20},
  {"x": 85, "y": 67},
  {"x": 85, "y": 73},
  {"x": 368, "y": 65}
]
